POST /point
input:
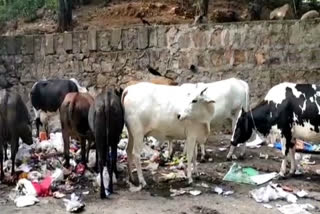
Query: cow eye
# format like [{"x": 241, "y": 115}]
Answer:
[{"x": 194, "y": 101}]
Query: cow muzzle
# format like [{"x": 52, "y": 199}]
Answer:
[{"x": 181, "y": 117}]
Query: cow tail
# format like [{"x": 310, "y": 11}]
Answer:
[
  {"x": 107, "y": 128},
  {"x": 247, "y": 104},
  {"x": 4, "y": 114},
  {"x": 70, "y": 106}
]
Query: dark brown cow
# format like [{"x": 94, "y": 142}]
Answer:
[
  {"x": 15, "y": 123},
  {"x": 74, "y": 122},
  {"x": 106, "y": 121}
]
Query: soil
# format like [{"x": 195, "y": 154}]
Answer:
[{"x": 155, "y": 198}]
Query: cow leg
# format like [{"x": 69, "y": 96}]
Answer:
[
  {"x": 114, "y": 155},
  {"x": 203, "y": 153},
  {"x": 137, "y": 148},
  {"x": 194, "y": 159},
  {"x": 284, "y": 160},
  {"x": 190, "y": 144},
  {"x": 5, "y": 146},
  {"x": 102, "y": 160},
  {"x": 242, "y": 150},
  {"x": 232, "y": 148},
  {"x": 83, "y": 150},
  {"x": 1, "y": 160},
  {"x": 130, "y": 155},
  {"x": 14, "y": 150},
  {"x": 170, "y": 149},
  {"x": 292, "y": 152},
  {"x": 66, "y": 144}
]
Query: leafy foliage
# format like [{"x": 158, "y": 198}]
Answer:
[{"x": 24, "y": 8}]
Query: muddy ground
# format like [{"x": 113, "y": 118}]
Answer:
[{"x": 155, "y": 198}]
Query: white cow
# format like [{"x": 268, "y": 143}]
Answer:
[
  {"x": 230, "y": 96},
  {"x": 152, "y": 110}
]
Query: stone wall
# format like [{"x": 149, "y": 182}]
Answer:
[{"x": 262, "y": 53}]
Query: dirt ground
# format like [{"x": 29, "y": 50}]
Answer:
[{"x": 155, "y": 198}]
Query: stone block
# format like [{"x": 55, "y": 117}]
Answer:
[
  {"x": 200, "y": 39},
  {"x": 130, "y": 39},
  {"x": 215, "y": 40},
  {"x": 92, "y": 40},
  {"x": 104, "y": 38},
  {"x": 115, "y": 41},
  {"x": 3, "y": 41},
  {"x": 162, "y": 36},
  {"x": 75, "y": 43},
  {"x": 239, "y": 57},
  {"x": 184, "y": 41},
  {"x": 83, "y": 38},
  {"x": 153, "y": 37},
  {"x": 143, "y": 38},
  {"x": 59, "y": 44},
  {"x": 27, "y": 45},
  {"x": 67, "y": 41},
  {"x": 11, "y": 46},
  {"x": 49, "y": 44}
]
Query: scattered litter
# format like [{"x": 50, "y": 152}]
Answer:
[
  {"x": 296, "y": 209},
  {"x": 92, "y": 159},
  {"x": 85, "y": 193},
  {"x": 58, "y": 195},
  {"x": 263, "y": 178},
  {"x": 24, "y": 168},
  {"x": 34, "y": 176},
  {"x": 263, "y": 156},
  {"x": 301, "y": 146},
  {"x": 74, "y": 204},
  {"x": 209, "y": 150},
  {"x": 223, "y": 191},
  {"x": 221, "y": 149},
  {"x": 123, "y": 143},
  {"x": 256, "y": 143},
  {"x": 268, "y": 206},
  {"x": 133, "y": 188},
  {"x": 25, "y": 187},
  {"x": 234, "y": 157},
  {"x": 25, "y": 201},
  {"x": 80, "y": 168},
  {"x": 301, "y": 194},
  {"x": 152, "y": 166},
  {"x": 204, "y": 185},
  {"x": 175, "y": 192},
  {"x": 247, "y": 175},
  {"x": 173, "y": 175},
  {"x": 195, "y": 192},
  {"x": 272, "y": 192}
]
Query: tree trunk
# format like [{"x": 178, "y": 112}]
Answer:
[
  {"x": 204, "y": 4},
  {"x": 65, "y": 15}
]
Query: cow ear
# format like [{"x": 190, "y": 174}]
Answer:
[{"x": 201, "y": 93}]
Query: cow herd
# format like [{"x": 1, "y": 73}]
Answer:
[{"x": 164, "y": 110}]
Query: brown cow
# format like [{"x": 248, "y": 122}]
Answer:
[
  {"x": 74, "y": 122},
  {"x": 156, "y": 80}
]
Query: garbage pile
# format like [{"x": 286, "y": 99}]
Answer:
[
  {"x": 41, "y": 173},
  {"x": 275, "y": 191}
]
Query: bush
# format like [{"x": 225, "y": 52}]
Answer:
[{"x": 25, "y": 8}]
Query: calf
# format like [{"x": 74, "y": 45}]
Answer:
[
  {"x": 74, "y": 122},
  {"x": 106, "y": 122},
  {"x": 289, "y": 109},
  {"x": 230, "y": 95},
  {"x": 152, "y": 110},
  {"x": 15, "y": 123},
  {"x": 47, "y": 96}
]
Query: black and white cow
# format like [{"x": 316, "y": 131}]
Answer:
[
  {"x": 47, "y": 95},
  {"x": 289, "y": 110}
]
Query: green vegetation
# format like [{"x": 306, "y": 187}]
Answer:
[{"x": 23, "y": 8}]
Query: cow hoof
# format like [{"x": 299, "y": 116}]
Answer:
[
  {"x": 229, "y": 159},
  {"x": 241, "y": 157},
  {"x": 202, "y": 160}
]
